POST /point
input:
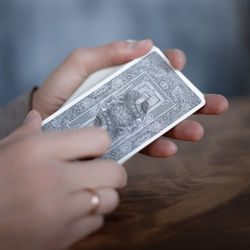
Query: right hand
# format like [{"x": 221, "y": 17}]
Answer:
[{"x": 44, "y": 203}]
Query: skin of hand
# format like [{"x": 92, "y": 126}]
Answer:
[
  {"x": 44, "y": 202},
  {"x": 61, "y": 84}
]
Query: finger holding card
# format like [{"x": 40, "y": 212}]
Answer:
[
  {"x": 176, "y": 57},
  {"x": 160, "y": 148},
  {"x": 187, "y": 130},
  {"x": 193, "y": 130}
]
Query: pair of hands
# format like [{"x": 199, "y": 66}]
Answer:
[{"x": 44, "y": 203}]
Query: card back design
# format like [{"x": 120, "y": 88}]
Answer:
[{"x": 135, "y": 105}]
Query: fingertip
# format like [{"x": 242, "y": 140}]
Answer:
[
  {"x": 224, "y": 104},
  {"x": 168, "y": 149},
  {"x": 161, "y": 148},
  {"x": 172, "y": 149},
  {"x": 124, "y": 177},
  {"x": 177, "y": 58},
  {"x": 149, "y": 44},
  {"x": 198, "y": 132},
  {"x": 32, "y": 123},
  {"x": 111, "y": 201},
  {"x": 82, "y": 228},
  {"x": 102, "y": 135},
  {"x": 215, "y": 105},
  {"x": 106, "y": 136},
  {"x": 100, "y": 221},
  {"x": 114, "y": 200},
  {"x": 33, "y": 116},
  {"x": 96, "y": 221},
  {"x": 139, "y": 48},
  {"x": 118, "y": 173},
  {"x": 141, "y": 44}
]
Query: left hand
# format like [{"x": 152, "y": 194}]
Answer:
[{"x": 67, "y": 77}]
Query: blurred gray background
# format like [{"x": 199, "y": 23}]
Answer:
[{"x": 35, "y": 36}]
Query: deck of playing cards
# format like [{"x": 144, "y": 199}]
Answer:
[{"x": 136, "y": 104}]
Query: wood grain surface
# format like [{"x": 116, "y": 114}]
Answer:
[{"x": 198, "y": 199}]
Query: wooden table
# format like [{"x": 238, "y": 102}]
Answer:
[{"x": 198, "y": 199}]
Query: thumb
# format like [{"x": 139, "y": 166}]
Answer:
[
  {"x": 31, "y": 124},
  {"x": 84, "y": 61}
]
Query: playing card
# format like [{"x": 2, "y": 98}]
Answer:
[{"x": 138, "y": 103}]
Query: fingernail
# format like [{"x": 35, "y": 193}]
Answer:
[
  {"x": 182, "y": 57},
  {"x": 173, "y": 149},
  {"x": 138, "y": 44}
]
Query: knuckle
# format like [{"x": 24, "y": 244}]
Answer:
[
  {"x": 76, "y": 55},
  {"x": 120, "y": 48},
  {"x": 47, "y": 180},
  {"x": 120, "y": 45}
]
